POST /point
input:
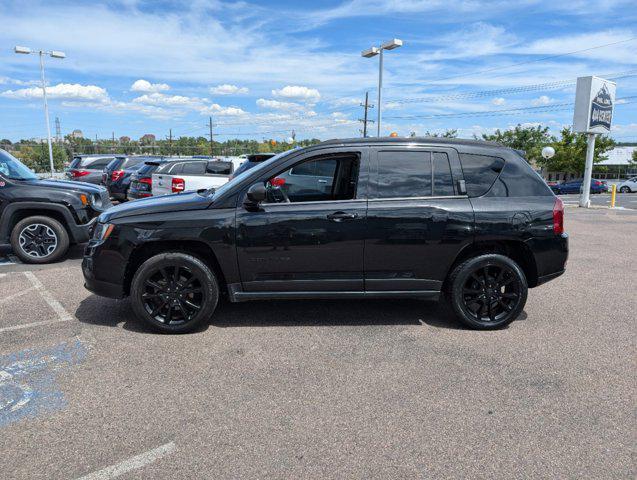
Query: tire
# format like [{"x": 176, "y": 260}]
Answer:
[
  {"x": 624, "y": 189},
  {"x": 181, "y": 279},
  {"x": 490, "y": 304},
  {"x": 39, "y": 239}
]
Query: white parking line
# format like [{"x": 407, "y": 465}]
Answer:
[
  {"x": 8, "y": 298},
  {"x": 132, "y": 463},
  {"x": 48, "y": 298}
]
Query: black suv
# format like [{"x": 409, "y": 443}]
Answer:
[
  {"x": 388, "y": 217},
  {"x": 40, "y": 218}
]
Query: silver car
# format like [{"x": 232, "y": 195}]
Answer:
[
  {"x": 628, "y": 186},
  {"x": 88, "y": 168}
]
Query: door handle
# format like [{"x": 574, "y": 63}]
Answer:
[
  {"x": 322, "y": 181},
  {"x": 340, "y": 216}
]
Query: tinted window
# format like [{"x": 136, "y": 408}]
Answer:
[
  {"x": 194, "y": 168},
  {"x": 247, "y": 165},
  {"x": 404, "y": 174},
  {"x": 147, "y": 169},
  {"x": 75, "y": 162},
  {"x": 443, "y": 181},
  {"x": 317, "y": 168},
  {"x": 130, "y": 163},
  {"x": 480, "y": 171},
  {"x": 98, "y": 164},
  {"x": 219, "y": 168}
]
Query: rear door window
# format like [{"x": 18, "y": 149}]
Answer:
[
  {"x": 404, "y": 174},
  {"x": 480, "y": 171},
  {"x": 194, "y": 168},
  {"x": 443, "y": 180},
  {"x": 219, "y": 168}
]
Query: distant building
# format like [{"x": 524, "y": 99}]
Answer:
[
  {"x": 124, "y": 139},
  {"x": 147, "y": 139},
  {"x": 618, "y": 165},
  {"x": 77, "y": 134}
]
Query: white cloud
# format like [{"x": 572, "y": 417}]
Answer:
[
  {"x": 160, "y": 99},
  {"x": 278, "y": 105},
  {"x": 498, "y": 101},
  {"x": 142, "y": 85},
  {"x": 71, "y": 91},
  {"x": 293, "y": 92},
  {"x": 542, "y": 100},
  {"x": 216, "y": 109},
  {"x": 227, "y": 89}
]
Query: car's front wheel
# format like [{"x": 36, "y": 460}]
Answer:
[
  {"x": 39, "y": 239},
  {"x": 488, "y": 291},
  {"x": 624, "y": 189},
  {"x": 174, "y": 292}
]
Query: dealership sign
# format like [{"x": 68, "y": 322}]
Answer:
[{"x": 594, "y": 102}]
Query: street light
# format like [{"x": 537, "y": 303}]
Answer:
[
  {"x": 372, "y": 52},
  {"x": 41, "y": 53}
]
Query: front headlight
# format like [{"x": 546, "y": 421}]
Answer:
[
  {"x": 96, "y": 201},
  {"x": 102, "y": 231}
]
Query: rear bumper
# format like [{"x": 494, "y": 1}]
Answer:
[{"x": 549, "y": 277}]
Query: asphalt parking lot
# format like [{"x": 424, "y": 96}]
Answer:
[
  {"x": 340, "y": 389},
  {"x": 623, "y": 200}
]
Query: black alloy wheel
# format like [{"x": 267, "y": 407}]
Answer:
[
  {"x": 488, "y": 291},
  {"x": 174, "y": 292},
  {"x": 624, "y": 189}
]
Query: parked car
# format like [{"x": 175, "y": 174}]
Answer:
[
  {"x": 628, "y": 186},
  {"x": 116, "y": 175},
  {"x": 404, "y": 218},
  {"x": 41, "y": 218},
  {"x": 190, "y": 174},
  {"x": 575, "y": 186},
  {"x": 88, "y": 168},
  {"x": 141, "y": 180},
  {"x": 251, "y": 161}
]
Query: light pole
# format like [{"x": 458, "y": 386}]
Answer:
[
  {"x": 372, "y": 52},
  {"x": 42, "y": 53}
]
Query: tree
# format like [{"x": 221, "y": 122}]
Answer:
[
  {"x": 634, "y": 159},
  {"x": 37, "y": 158},
  {"x": 529, "y": 139},
  {"x": 450, "y": 133},
  {"x": 570, "y": 152}
]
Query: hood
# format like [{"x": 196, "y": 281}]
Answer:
[
  {"x": 161, "y": 204},
  {"x": 79, "y": 187}
]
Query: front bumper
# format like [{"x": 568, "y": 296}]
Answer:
[{"x": 99, "y": 287}]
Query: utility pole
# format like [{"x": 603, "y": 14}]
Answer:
[
  {"x": 293, "y": 137},
  {"x": 170, "y": 142},
  {"x": 58, "y": 130},
  {"x": 210, "y": 124},
  {"x": 112, "y": 142},
  {"x": 96, "y": 143},
  {"x": 365, "y": 120}
]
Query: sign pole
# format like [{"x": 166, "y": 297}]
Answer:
[{"x": 584, "y": 200}]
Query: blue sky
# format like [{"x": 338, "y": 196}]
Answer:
[{"x": 262, "y": 69}]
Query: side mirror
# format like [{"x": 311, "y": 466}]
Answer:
[{"x": 257, "y": 193}]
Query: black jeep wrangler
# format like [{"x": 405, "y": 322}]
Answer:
[
  {"x": 359, "y": 218},
  {"x": 41, "y": 218}
]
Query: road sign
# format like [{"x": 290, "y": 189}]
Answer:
[{"x": 594, "y": 102}]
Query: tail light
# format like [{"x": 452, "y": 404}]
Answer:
[
  {"x": 116, "y": 175},
  {"x": 178, "y": 185},
  {"x": 558, "y": 217},
  {"x": 145, "y": 183},
  {"x": 277, "y": 182},
  {"x": 597, "y": 183},
  {"x": 78, "y": 173}
]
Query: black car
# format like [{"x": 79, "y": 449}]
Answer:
[
  {"x": 252, "y": 161},
  {"x": 141, "y": 180},
  {"x": 116, "y": 175},
  {"x": 40, "y": 218},
  {"x": 375, "y": 218}
]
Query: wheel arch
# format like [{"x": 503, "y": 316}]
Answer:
[
  {"x": 11, "y": 218},
  {"x": 517, "y": 250},
  {"x": 196, "y": 248}
]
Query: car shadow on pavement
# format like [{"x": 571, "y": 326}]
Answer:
[{"x": 97, "y": 310}]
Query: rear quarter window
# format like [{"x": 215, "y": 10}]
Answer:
[{"x": 480, "y": 172}]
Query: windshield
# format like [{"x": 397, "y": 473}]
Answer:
[
  {"x": 14, "y": 169},
  {"x": 260, "y": 167}
]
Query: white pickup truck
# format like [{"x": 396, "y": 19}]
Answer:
[{"x": 191, "y": 174}]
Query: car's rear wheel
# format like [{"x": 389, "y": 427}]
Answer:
[
  {"x": 174, "y": 292},
  {"x": 39, "y": 239},
  {"x": 488, "y": 291},
  {"x": 624, "y": 189}
]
